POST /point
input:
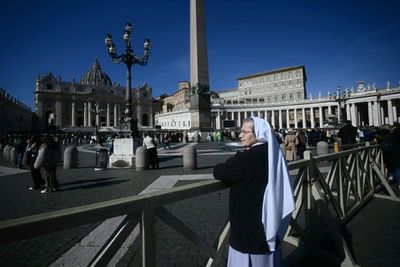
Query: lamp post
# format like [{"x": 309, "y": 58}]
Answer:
[
  {"x": 341, "y": 100},
  {"x": 128, "y": 124},
  {"x": 96, "y": 112}
]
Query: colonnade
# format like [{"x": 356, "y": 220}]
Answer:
[
  {"x": 89, "y": 108},
  {"x": 364, "y": 111}
]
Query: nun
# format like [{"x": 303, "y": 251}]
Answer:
[{"x": 261, "y": 198}]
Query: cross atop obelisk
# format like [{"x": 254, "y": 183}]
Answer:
[{"x": 198, "y": 44}]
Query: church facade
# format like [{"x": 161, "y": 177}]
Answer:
[{"x": 92, "y": 102}]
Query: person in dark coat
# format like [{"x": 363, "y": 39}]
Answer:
[
  {"x": 33, "y": 149},
  {"x": 391, "y": 148},
  {"x": 261, "y": 197},
  {"x": 348, "y": 134}
]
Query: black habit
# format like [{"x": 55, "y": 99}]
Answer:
[{"x": 247, "y": 174}]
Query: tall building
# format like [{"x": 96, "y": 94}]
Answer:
[
  {"x": 93, "y": 101},
  {"x": 15, "y": 116}
]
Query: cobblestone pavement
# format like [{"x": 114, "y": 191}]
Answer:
[{"x": 372, "y": 232}]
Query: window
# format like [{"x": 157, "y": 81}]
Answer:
[{"x": 49, "y": 86}]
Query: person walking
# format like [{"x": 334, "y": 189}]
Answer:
[
  {"x": 261, "y": 197},
  {"x": 49, "y": 156},
  {"x": 291, "y": 143},
  {"x": 152, "y": 149}
]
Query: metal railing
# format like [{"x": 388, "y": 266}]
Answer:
[{"x": 354, "y": 177}]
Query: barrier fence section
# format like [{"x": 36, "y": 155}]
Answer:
[{"x": 323, "y": 204}]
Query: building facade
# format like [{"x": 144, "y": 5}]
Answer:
[
  {"x": 15, "y": 116},
  {"x": 92, "y": 102},
  {"x": 279, "y": 97}
]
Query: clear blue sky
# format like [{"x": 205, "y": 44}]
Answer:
[{"x": 338, "y": 42}]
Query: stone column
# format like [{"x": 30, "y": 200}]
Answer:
[
  {"x": 89, "y": 114},
  {"x": 239, "y": 120},
  {"x": 348, "y": 113},
  {"x": 73, "y": 114},
  {"x": 108, "y": 114},
  {"x": 97, "y": 114},
  {"x": 370, "y": 114},
  {"x": 354, "y": 114},
  {"x": 280, "y": 119},
  {"x": 383, "y": 121},
  {"x": 321, "y": 119},
  {"x": 85, "y": 114},
  {"x": 287, "y": 119},
  {"x": 218, "y": 121},
  {"x": 273, "y": 119},
  {"x": 115, "y": 114},
  {"x": 312, "y": 117},
  {"x": 396, "y": 119},
  {"x": 295, "y": 119},
  {"x": 303, "y": 113},
  {"x": 329, "y": 109},
  {"x": 339, "y": 113},
  {"x": 390, "y": 111},
  {"x": 59, "y": 113}
]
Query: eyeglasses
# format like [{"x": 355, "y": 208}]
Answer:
[{"x": 245, "y": 132}]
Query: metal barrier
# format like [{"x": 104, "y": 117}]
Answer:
[{"x": 354, "y": 177}]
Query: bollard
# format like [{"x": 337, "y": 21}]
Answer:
[
  {"x": 336, "y": 147},
  {"x": 196, "y": 136},
  {"x": 141, "y": 159},
  {"x": 322, "y": 148},
  {"x": 71, "y": 157},
  {"x": 101, "y": 158},
  {"x": 190, "y": 158},
  {"x": 5, "y": 152},
  {"x": 12, "y": 155},
  {"x": 184, "y": 141}
]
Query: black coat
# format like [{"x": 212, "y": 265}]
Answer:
[{"x": 247, "y": 173}]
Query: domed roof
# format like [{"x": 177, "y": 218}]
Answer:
[{"x": 95, "y": 76}]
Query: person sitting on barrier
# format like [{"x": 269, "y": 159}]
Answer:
[
  {"x": 261, "y": 197},
  {"x": 151, "y": 147}
]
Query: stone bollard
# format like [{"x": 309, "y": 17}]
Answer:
[
  {"x": 70, "y": 157},
  {"x": 190, "y": 158},
  {"x": 322, "y": 148},
  {"x": 12, "y": 155},
  {"x": 196, "y": 136},
  {"x": 5, "y": 152},
  {"x": 141, "y": 159},
  {"x": 184, "y": 141}
]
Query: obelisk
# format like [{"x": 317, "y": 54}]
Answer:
[{"x": 199, "y": 82}]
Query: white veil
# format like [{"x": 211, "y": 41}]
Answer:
[{"x": 278, "y": 203}]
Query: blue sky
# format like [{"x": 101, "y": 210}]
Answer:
[{"x": 338, "y": 42}]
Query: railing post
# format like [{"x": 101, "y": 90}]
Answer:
[{"x": 148, "y": 237}]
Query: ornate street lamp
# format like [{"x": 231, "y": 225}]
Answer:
[
  {"x": 341, "y": 99},
  {"x": 128, "y": 124}
]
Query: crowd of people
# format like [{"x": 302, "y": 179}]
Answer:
[{"x": 43, "y": 149}]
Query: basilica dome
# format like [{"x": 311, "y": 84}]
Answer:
[{"x": 95, "y": 76}]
